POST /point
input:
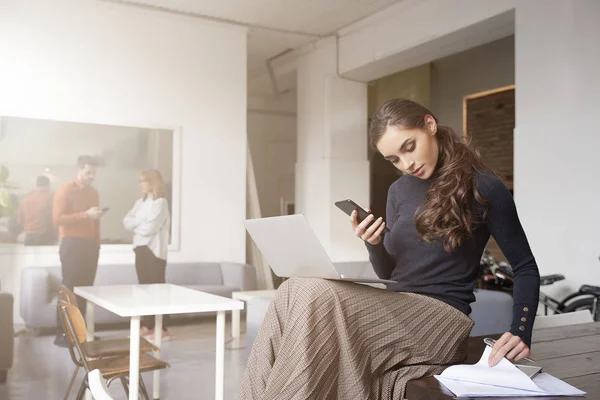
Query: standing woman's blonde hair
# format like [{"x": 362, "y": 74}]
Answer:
[{"x": 155, "y": 180}]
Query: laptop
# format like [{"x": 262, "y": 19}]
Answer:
[{"x": 292, "y": 249}]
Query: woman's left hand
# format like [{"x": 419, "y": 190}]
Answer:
[{"x": 509, "y": 346}]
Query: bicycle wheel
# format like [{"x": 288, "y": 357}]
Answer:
[{"x": 580, "y": 304}]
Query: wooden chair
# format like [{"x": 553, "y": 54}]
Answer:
[
  {"x": 98, "y": 386},
  {"x": 111, "y": 368},
  {"x": 116, "y": 347},
  {"x": 66, "y": 295}
]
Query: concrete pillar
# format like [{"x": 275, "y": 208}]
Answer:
[{"x": 332, "y": 162}]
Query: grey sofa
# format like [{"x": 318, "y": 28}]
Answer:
[
  {"x": 491, "y": 311},
  {"x": 7, "y": 334},
  {"x": 40, "y": 285}
]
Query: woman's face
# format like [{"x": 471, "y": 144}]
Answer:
[
  {"x": 144, "y": 185},
  {"x": 412, "y": 151}
]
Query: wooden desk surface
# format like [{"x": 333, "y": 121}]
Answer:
[{"x": 571, "y": 353}]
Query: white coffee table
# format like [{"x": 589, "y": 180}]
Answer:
[
  {"x": 236, "y": 315},
  {"x": 135, "y": 301}
]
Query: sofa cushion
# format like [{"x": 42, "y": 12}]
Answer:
[
  {"x": 116, "y": 275},
  {"x": 54, "y": 282},
  {"x": 194, "y": 274}
]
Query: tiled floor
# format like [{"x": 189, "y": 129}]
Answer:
[{"x": 42, "y": 370}]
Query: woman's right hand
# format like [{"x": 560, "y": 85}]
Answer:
[{"x": 370, "y": 234}]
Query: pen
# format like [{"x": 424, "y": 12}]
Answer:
[{"x": 491, "y": 342}]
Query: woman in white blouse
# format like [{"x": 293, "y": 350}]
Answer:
[{"x": 149, "y": 220}]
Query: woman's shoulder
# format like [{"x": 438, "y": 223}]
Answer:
[
  {"x": 397, "y": 186},
  {"x": 152, "y": 200},
  {"x": 490, "y": 185},
  {"x": 405, "y": 182},
  {"x": 162, "y": 203},
  {"x": 406, "y": 189}
]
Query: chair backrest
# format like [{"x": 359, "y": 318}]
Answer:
[
  {"x": 66, "y": 296},
  {"x": 75, "y": 332},
  {"x": 76, "y": 323},
  {"x": 570, "y": 318},
  {"x": 98, "y": 386}
]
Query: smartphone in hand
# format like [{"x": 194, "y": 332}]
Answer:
[{"x": 348, "y": 206}]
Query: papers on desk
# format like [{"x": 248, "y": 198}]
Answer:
[{"x": 503, "y": 380}]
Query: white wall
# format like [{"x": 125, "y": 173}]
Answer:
[
  {"x": 272, "y": 142},
  {"x": 556, "y": 140},
  {"x": 99, "y": 62},
  {"x": 483, "y": 68}
]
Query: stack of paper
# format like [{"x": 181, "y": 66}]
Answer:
[{"x": 504, "y": 379}]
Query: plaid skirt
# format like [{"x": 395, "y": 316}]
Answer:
[{"x": 324, "y": 339}]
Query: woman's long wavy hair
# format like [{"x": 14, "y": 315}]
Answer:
[{"x": 448, "y": 211}]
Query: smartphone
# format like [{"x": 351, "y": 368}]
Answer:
[
  {"x": 105, "y": 209},
  {"x": 348, "y": 206}
]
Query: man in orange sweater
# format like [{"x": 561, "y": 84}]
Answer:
[
  {"x": 77, "y": 214},
  {"x": 35, "y": 215}
]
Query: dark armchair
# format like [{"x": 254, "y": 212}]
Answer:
[{"x": 7, "y": 334}]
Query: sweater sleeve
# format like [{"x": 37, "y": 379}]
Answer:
[
  {"x": 130, "y": 222},
  {"x": 380, "y": 258},
  {"x": 61, "y": 214},
  {"x": 504, "y": 225}
]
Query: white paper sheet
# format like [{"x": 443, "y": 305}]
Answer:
[
  {"x": 504, "y": 374},
  {"x": 502, "y": 380}
]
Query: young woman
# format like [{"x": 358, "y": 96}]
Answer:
[
  {"x": 326, "y": 339},
  {"x": 149, "y": 219}
]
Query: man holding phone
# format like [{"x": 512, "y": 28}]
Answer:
[{"x": 77, "y": 213}]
